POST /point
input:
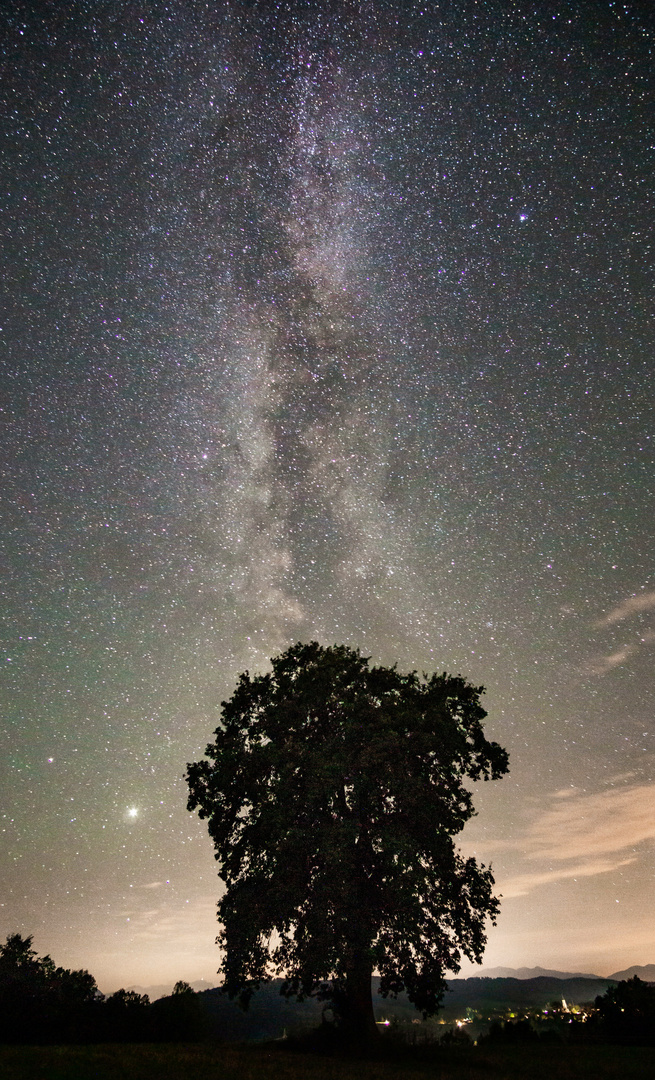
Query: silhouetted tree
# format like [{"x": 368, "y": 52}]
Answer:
[
  {"x": 180, "y": 1017},
  {"x": 626, "y": 1012},
  {"x": 40, "y": 1002},
  {"x": 332, "y": 793},
  {"x": 127, "y": 1017}
]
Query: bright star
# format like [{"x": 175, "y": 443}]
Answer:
[{"x": 132, "y": 812}]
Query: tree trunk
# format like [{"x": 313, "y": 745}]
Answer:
[{"x": 358, "y": 1016}]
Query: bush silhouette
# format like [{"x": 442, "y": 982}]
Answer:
[{"x": 626, "y": 1013}]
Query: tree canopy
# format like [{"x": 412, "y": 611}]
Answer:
[
  {"x": 332, "y": 792},
  {"x": 626, "y": 1012},
  {"x": 42, "y": 1003},
  {"x": 38, "y": 999}
]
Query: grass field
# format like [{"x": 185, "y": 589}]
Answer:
[{"x": 207, "y": 1062}]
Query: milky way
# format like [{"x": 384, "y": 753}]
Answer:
[{"x": 323, "y": 321}]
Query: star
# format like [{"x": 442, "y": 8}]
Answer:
[{"x": 279, "y": 367}]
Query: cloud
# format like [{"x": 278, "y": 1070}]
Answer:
[
  {"x": 582, "y": 836},
  {"x": 605, "y": 822},
  {"x": 521, "y": 884},
  {"x": 600, "y": 665},
  {"x": 633, "y": 604}
]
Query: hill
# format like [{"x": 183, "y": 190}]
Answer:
[
  {"x": 487, "y": 995},
  {"x": 534, "y": 973},
  {"x": 646, "y": 972},
  {"x": 160, "y": 990},
  {"x": 270, "y": 1015}
]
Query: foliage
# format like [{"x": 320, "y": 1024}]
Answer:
[
  {"x": 126, "y": 1017},
  {"x": 180, "y": 1016},
  {"x": 626, "y": 1013},
  {"x": 38, "y": 999},
  {"x": 332, "y": 793},
  {"x": 41, "y": 1003}
]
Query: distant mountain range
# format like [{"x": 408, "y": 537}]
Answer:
[
  {"x": 646, "y": 972},
  {"x": 534, "y": 973}
]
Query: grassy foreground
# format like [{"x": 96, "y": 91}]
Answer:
[{"x": 210, "y": 1062}]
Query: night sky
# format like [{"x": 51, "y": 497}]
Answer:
[{"x": 323, "y": 321}]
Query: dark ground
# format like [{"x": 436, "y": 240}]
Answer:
[{"x": 272, "y": 1062}]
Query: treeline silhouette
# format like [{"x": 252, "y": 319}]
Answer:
[
  {"x": 626, "y": 1013},
  {"x": 41, "y": 1003}
]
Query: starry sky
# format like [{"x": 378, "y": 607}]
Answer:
[{"x": 323, "y": 321}]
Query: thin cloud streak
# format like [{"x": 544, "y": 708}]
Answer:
[
  {"x": 602, "y": 664},
  {"x": 582, "y": 836},
  {"x": 605, "y": 822},
  {"x": 630, "y": 606},
  {"x": 521, "y": 884}
]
